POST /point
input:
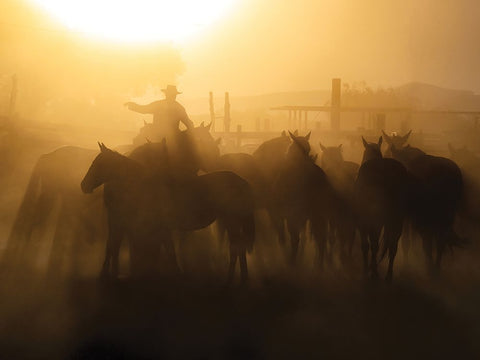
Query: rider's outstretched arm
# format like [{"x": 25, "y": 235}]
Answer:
[{"x": 142, "y": 109}]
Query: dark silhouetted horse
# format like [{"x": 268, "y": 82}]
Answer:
[
  {"x": 300, "y": 193},
  {"x": 53, "y": 194},
  {"x": 259, "y": 169},
  {"x": 437, "y": 189},
  {"x": 270, "y": 156},
  {"x": 155, "y": 202},
  {"x": 342, "y": 175},
  {"x": 381, "y": 191}
]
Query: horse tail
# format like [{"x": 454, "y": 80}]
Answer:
[{"x": 249, "y": 231}]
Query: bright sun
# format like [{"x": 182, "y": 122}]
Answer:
[{"x": 137, "y": 20}]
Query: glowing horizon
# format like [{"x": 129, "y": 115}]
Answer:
[{"x": 139, "y": 21}]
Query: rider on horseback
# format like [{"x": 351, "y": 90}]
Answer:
[{"x": 167, "y": 114}]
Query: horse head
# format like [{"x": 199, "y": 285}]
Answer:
[
  {"x": 395, "y": 140},
  {"x": 300, "y": 147},
  {"x": 101, "y": 170},
  {"x": 372, "y": 150},
  {"x": 332, "y": 156}
]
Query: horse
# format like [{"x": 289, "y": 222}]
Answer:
[
  {"x": 164, "y": 201},
  {"x": 437, "y": 189},
  {"x": 394, "y": 140},
  {"x": 53, "y": 190},
  {"x": 300, "y": 193},
  {"x": 342, "y": 175},
  {"x": 260, "y": 168},
  {"x": 381, "y": 191},
  {"x": 270, "y": 155}
]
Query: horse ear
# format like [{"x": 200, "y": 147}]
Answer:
[
  {"x": 148, "y": 140},
  {"x": 100, "y": 145},
  {"x": 340, "y": 147},
  {"x": 308, "y": 136},
  {"x": 293, "y": 136},
  {"x": 322, "y": 147},
  {"x": 283, "y": 133},
  {"x": 295, "y": 132},
  {"x": 405, "y": 137},
  {"x": 365, "y": 144},
  {"x": 388, "y": 139},
  {"x": 380, "y": 139},
  {"x": 208, "y": 126},
  {"x": 202, "y": 124}
]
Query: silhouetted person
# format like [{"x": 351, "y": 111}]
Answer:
[{"x": 167, "y": 113}]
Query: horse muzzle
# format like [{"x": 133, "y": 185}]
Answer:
[{"x": 85, "y": 188}]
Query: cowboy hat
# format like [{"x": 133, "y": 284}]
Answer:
[{"x": 171, "y": 89}]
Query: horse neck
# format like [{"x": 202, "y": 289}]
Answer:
[
  {"x": 126, "y": 169},
  {"x": 330, "y": 162},
  {"x": 388, "y": 153}
]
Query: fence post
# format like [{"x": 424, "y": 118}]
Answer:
[{"x": 336, "y": 100}]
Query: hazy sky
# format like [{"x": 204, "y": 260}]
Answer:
[
  {"x": 281, "y": 45},
  {"x": 273, "y": 45}
]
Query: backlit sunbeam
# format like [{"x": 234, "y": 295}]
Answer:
[{"x": 137, "y": 21}]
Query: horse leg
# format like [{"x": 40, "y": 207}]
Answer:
[
  {"x": 441, "y": 243},
  {"x": 374, "y": 239},
  {"x": 407, "y": 240},
  {"x": 427, "y": 242},
  {"x": 106, "y": 262},
  {"x": 351, "y": 233},
  {"x": 112, "y": 247},
  {"x": 392, "y": 235},
  {"x": 57, "y": 252},
  {"x": 182, "y": 249},
  {"x": 294, "y": 240},
  {"x": 170, "y": 252},
  {"x": 243, "y": 267},
  {"x": 221, "y": 231},
  {"x": 279, "y": 226},
  {"x": 365, "y": 249},
  {"x": 231, "y": 266},
  {"x": 320, "y": 233},
  {"x": 115, "y": 253}
]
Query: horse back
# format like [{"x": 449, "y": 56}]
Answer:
[
  {"x": 382, "y": 188},
  {"x": 227, "y": 190}
]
